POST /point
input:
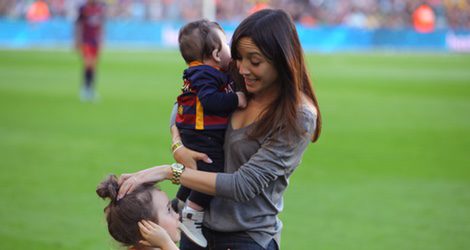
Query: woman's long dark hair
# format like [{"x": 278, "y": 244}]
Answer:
[{"x": 274, "y": 33}]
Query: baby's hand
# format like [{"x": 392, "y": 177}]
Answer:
[
  {"x": 154, "y": 235},
  {"x": 241, "y": 99}
]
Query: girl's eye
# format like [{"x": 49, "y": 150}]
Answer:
[{"x": 255, "y": 63}]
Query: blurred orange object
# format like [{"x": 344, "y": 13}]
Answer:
[
  {"x": 260, "y": 5},
  {"x": 424, "y": 19},
  {"x": 38, "y": 11},
  {"x": 308, "y": 20}
]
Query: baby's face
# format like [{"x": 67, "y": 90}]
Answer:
[
  {"x": 224, "y": 52},
  {"x": 167, "y": 218}
]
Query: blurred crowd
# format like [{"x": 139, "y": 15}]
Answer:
[{"x": 369, "y": 14}]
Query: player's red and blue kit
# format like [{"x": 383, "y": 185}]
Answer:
[
  {"x": 91, "y": 18},
  {"x": 207, "y": 99}
]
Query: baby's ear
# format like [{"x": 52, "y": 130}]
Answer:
[{"x": 216, "y": 55}]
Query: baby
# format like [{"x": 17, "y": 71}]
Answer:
[{"x": 204, "y": 106}]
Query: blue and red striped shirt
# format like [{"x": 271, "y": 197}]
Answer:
[
  {"x": 91, "y": 17},
  {"x": 207, "y": 99}
]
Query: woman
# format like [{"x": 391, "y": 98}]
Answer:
[
  {"x": 264, "y": 142},
  {"x": 142, "y": 219}
]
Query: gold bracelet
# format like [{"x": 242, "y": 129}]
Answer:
[{"x": 175, "y": 146}]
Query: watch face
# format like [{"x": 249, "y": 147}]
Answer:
[{"x": 178, "y": 166}]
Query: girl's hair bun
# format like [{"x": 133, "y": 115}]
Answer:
[{"x": 108, "y": 188}]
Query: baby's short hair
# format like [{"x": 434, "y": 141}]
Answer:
[{"x": 198, "y": 39}]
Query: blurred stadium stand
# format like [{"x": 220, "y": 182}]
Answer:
[{"x": 324, "y": 25}]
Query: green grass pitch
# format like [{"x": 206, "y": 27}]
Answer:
[{"x": 391, "y": 169}]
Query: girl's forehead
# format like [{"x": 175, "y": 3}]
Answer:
[{"x": 160, "y": 198}]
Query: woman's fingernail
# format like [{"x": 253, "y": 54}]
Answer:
[{"x": 210, "y": 160}]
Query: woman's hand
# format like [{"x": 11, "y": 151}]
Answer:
[
  {"x": 129, "y": 182},
  {"x": 155, "y": 236},
  {"x": 188, "y": 157}
]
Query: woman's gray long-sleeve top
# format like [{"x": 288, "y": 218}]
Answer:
[{"x": 249, "y": 194}]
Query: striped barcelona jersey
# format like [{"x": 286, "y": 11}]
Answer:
[
  {"x": 91, "y": 17},
  {"x": 207, "y": 99}
]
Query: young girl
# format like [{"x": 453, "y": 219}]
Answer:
[{"x": 141, "y": 220}]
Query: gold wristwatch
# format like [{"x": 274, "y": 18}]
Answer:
[{"x": 177, "y": 170}]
